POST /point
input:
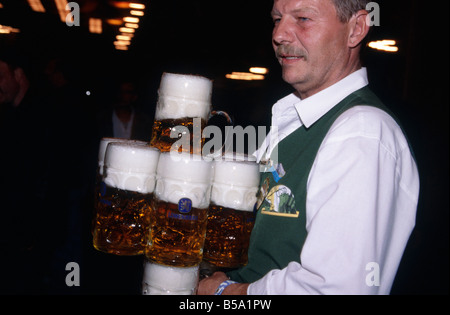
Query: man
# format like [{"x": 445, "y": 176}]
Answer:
[
  {"x": 125, "y": 120},
  {"x": 23, "y": 180},
  {"x": 344, "y": 159}
]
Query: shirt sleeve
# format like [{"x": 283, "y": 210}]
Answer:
[{"x": 361, "y": 208}]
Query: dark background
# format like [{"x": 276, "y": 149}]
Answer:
[{"x": 213, "y": 38}]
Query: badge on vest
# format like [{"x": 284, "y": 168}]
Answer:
[{"x": 279, "y": 201}]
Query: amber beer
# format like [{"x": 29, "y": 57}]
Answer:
[
  {"x": 231, "y": 218},
  {"x": 177, "y": 239},
  {"x": 179, "y": 217},
  {"x": 184, "y": 105},
  {"x": 168, "y": 134},
  {"x": 125, "y": 200}
]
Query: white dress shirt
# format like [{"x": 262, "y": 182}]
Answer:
[
  {"x": 362, "y": 196},
  {"x": 122, "y": 130}
]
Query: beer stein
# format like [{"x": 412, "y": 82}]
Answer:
[
  {"x": 180, "y": 213},
  {"x": 166, "y": 280},
  {"x": 231, "y": 218},
  {"x": 100, "y": 168},
  {"x": 125, "y": 198},
  {"x": 182, "y": 112}
]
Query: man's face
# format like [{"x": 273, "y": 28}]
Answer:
[
  {"x": 9, "y": 87},
  {"x": 310, "y": 43}
]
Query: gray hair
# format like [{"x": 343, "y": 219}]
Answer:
[{"x": 347, "y": 8}]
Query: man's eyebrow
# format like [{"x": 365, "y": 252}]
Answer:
[
  {"x": 305, "y": 10},
  {"x": 275, "y": 12}
]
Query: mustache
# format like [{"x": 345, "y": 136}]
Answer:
[{"x": 287, "y": 50}]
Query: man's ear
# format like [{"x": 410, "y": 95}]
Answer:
[
  {"x": 19, "y": 74},
  {"x": 24, "y": 84},
  {"x": 358, "y": 28}
]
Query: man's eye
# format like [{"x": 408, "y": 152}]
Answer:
[
  {"x": 302, "y": 19},
  {"x": 276, "y": 20}
]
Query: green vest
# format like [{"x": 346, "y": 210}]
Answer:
[{"x": 280, "y": 228}]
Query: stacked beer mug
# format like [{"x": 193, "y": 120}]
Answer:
[
  {"x": 124, "y": 197},
  {"x": 154, "y": 198},
  {"x": 183, "y": 190},
  {"x": 231, "y": 213}
]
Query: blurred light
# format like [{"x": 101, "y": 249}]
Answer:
[
  {"x": 95, "y": 26},
  {"x": 122, "y": 43},
  {"x": 131, "y": 19},
  {"x": 115, "y": 22},
  {"x": 127, "y": 5},
  {"x": 384, "y": 45},
  {"x": 8, "y": 29},
  {"x": 88, "y": 93},
  {"x": 132, "y": 25},
  {"x": 120, "y": 4},
  {"x": 36, "y": 5},
  {"x": 246, "y": 76},
  {"x": 259, "y": 70},
  {"x": 137, "y": 13},
  {"x": 61, "y": 6},
  {"x": 122, "y": 47},
  {"x": 1, "y": 5},
  {"x": 126, "y": 30},
  {"x": 137, "y": 6},
  {"x": 129, "y": 35},
  {"x": 123, "y": 37}
]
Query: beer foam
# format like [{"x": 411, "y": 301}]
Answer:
[
  {"x": 235, "y": 184},
  {"x": 182, "y": 175},
  {"x": 165, "y": 280},
  {"x": 131, "y": 166},
  {"x": 183, "y": 96},
  {"x": 104, "y": 144}
]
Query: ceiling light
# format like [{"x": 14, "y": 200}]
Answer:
[
  {"x": 130, "y": 35},
  {"x": 131, "y": 19},
  {"x": 138, "y": 6},
  {"x": 115, "y": 22},
  {"x": 121, "y": 47},
  {"x": 259, "y": 70},
  {"x": 132, "y": 25},
  {"x": 126, "y": 30},
  {"x": 122, "y": 43},
  {"x": 246, "y": 76},
  {"x": 61, "y": 6},
  {"x": 8, "y": 29},
  {"x": 137, "y": 13},
  {"x": 95, "y": 26},
  {"x": 36, "y": 5},
  {"x": 123, "y": 37},
  {"x": 384, "y": 45}
]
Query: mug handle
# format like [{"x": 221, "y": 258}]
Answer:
[
  {"x": 224, "y": 114},
  {"x": 230, "y": 122}
]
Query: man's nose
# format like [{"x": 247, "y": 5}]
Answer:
[{"x": 282, "y": 33}]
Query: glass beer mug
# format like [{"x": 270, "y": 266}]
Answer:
[
  {"x": 100, "y": 168},
  {"x": 180, "y": 213},
  {"x": 167, "y": 280},
  {"x": 125, "y": 198},
  {"x": 231, "y": 218},
  {"x": 182, "y": 112}
]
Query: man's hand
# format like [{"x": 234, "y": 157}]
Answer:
[{"x": 209, "y": 285}]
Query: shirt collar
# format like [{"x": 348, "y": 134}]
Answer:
[
  {"x": 313, "y": 108},
  {"x": 291, "y": 112}
]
